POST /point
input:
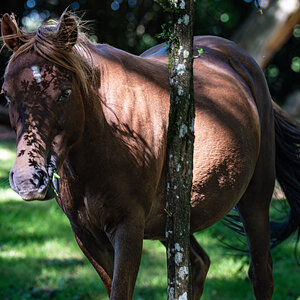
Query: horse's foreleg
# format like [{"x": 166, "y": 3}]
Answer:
[
  {"x": 128, "y": 242},
  {"x": 100, "y": 253},
  {"x": 200, "y": 264}
]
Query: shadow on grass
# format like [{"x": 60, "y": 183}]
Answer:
[
  {"x": 34, "y": 278},
  {"x": 30, "y": 278},
  {"x": 150, "y": 293}
]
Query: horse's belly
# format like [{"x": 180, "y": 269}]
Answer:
[
  {"x": 219, "y": 183},
  {"x": 225, "y": 156}
]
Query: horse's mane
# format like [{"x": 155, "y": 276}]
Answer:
[{"x": 44, "y": 41}]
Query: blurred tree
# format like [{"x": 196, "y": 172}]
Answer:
[
  {"x": 274, "y": 44},
  {"x": 268, "y": 31},
  {"x": 283, "y": 70}
]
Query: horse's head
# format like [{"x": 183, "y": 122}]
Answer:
[{"x": 45, "y": 103}]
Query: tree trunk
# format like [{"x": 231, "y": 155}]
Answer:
[
  {"x": 180, "y": 146},
  {"x": 262, "y": 36}
]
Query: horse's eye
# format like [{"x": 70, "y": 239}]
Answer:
[
  {"x": 65, "y": 95},
  {"x": 7, "y": 99}
]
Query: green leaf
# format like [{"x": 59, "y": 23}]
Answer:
[
  {"x": 56, "y": 175},
  {"x": 54, "y": 189},
  {"x": 200, "y": 50}
]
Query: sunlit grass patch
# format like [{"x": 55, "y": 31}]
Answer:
[
  {"x": 7, "y": 194},
  {"x": 7, "y": 156}
]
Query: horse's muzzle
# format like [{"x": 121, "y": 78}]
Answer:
[{"x": 34, "y": 186}]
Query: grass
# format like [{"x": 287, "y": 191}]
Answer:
[{"x": 39, "y": 258}]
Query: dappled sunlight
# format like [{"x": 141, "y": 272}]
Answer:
[
  {"x": 55, "y": 249},
  {"x": 225, "y": 267},
  {"x": 7, "y": 157},
  {"x": 7, "y": 194},
  {"x": 152, "y": 276},
  {"x": 12, "y": 253},
  {"x": 6, "y": 154}
]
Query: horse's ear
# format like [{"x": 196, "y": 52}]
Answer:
[
  {"x": 9, "y": 31},
  {"x": 67, "y": 32}
]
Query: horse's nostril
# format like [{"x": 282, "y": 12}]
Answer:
[
  {"x": 39, "y": 179},
  {"x": 11, "y": 181},
  {"x": 42, "y": 173}
]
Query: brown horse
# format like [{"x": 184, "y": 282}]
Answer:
[{"x": 98, "y": 117}]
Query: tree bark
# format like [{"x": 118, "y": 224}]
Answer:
[
  {"x": 180, "y": 144},
  {"x": 262, "y": 36}
]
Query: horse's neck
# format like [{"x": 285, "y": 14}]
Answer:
[
  {"x": 126, "y": 121},
  {"x": 134, "y": 90},
  {"x": 86, "y": 158}
]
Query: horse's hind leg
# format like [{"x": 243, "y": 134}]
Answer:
[
  {"x": 254, "y": 210},
  {"x": 200, "y": 264}
]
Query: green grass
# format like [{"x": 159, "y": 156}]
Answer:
[{"x": 39, "y": 258}]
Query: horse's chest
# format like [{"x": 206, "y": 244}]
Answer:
[{"x": 97, "y": 214}]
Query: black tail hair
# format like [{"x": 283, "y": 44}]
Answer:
[{"x": 287, "y": 140}]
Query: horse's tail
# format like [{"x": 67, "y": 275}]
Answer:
[{"x": 287, "y": 140}]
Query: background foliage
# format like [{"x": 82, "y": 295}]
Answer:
[{"x": 132, "y": 24}]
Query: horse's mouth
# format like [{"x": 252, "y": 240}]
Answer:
[
  {"x": 29, "y": 196},
  {"x": 48, "y": 192},
  {"x": 42, "y": 184}
]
